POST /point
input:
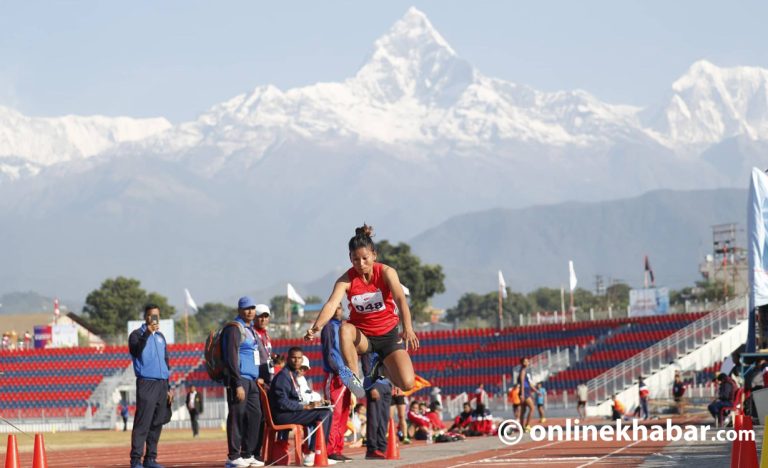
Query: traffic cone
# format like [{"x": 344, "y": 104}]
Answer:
[
  {"x": 12, "y": 454},
  {"x": 764, "y": 451},
  {"x": 736, "y": 447},
  {"x": 748, "y": 457},
  {"x": 321, "y": 454},
  {"x": 39, "y": 460},
  {"x": 393, "y": 445}
]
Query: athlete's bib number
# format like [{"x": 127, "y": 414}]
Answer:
[{"x": 369, "y": 302}]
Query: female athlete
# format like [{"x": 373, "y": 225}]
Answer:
[{"x": 375, "y": 295}]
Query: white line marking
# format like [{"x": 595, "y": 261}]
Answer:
[{"x": 620, "y": 449}]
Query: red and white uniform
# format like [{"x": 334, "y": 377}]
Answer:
[{"x": 372, "y": 309}]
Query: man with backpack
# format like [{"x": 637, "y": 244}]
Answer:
[{"x": 240, "y": 356}]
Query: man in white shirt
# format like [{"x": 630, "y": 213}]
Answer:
[{"x": 581, "y": 400}]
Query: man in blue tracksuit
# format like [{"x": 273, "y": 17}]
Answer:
[
  {"x": 335, "y": 391},
  {"x": 153, "y": 395},
  {"x": 240, "y": 354}
]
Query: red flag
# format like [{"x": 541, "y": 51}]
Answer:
[{"x": 649, "y": 270}]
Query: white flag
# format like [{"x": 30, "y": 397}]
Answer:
[
  {"x": 294, "y": 296},
  {"x": 502, "y": 285},
  {"x": 190, "y": 302},
  {"x": 572, "y": 275},
  {"x": 406, "y": 291},
  {"x": 757, "y": 250},
  {"x": 56, "y": 310}
]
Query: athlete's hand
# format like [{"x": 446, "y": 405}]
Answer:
[
  {"x": 411, "y": 340},
  {"x": 310, "y": 335}
]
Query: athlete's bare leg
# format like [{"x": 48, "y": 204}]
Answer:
[
  {"x": 399, "y": 369},
  {"x": 352, "y": 344}
]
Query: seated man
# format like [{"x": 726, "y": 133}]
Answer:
[
  {"x": 288, "y": 408},
  {"x": 463, "y": 420},
  {"x": 724, "y": 397}
]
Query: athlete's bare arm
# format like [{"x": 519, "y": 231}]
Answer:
[
  {"x": 340, "y": 288},
  {"x": 393, "y": 283}
]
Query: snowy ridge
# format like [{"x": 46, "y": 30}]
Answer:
[{"x": 413, "y": 92}]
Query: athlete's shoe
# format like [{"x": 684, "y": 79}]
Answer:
[
  {"x": 253, "y": 461},
  {"x": 239, "y": 462},
  {"x": 352, "y": 382}
]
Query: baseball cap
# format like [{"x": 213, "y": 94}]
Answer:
[
  {"x": 262, "y": 309},
  {"x": 246, "y": 302},
  {"x": 305, "y": 362}
]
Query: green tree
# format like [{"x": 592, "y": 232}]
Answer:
[
  {"x": 212, "y": 315},
  {"x": 119, "y": 300},
  {"x": 114, "y": 303},
  {"x": 617, "y": 295},
  {"x": 423, "y": 281},
  {"x": 545, "y": 299},
  {"x": 478, "y": 309},
  {"x": 314, "y": 300}
]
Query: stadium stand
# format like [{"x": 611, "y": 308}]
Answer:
[{"x": 59, "y": 382}]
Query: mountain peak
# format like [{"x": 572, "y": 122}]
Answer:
[{"x": 413, "y": 60}]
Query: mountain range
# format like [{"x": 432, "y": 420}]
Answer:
[{"x": 268, "y": 186}]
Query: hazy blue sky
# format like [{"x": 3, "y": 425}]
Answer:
[{"x": 177, "y": 58}]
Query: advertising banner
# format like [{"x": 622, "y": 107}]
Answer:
[{"x": 651, "y": 301}]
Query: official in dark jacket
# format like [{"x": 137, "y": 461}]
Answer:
[
  {"x": 379, "y": 399},
  {"x": 286, "y": 404},
  {"x": 240, "y": 354},
  {"x": 153, "y": 394}
]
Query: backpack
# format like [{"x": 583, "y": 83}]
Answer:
[{"x": 214, "y": 363}]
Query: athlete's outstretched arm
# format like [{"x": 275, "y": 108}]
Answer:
[
  {"x": 393, "y": 283},
  {"x": 329, "y": 308}
]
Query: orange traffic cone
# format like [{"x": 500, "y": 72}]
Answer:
[
  {"x": 12, "y": 454},
  {"x": 321, "y": 454},
  {"x": 393, "y": 446},
  {"x": 748, "y": 456},
  {"x": 39, "y": 460},
  {"x": 736, "y": 447}
]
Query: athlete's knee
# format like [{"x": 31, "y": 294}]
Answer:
[
  {"x": 407, "y": 383},
  {"x": 348, "y": 333}
]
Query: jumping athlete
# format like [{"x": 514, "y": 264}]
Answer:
[{"x": 375, "y": 295}]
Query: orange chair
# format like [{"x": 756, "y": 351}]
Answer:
[{"x": 271, "y": 430}]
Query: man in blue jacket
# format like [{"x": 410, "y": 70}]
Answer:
[
  {"x": 240, "y": 354},
  {"x": 286, "y": 405},
  {"x": 153, "y": 395},
  {"x": 335, "y": 390}
]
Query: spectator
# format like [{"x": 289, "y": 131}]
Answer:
[
  {"x": 581, "y": 400},
  {"x": 541, "y": 399},
  {"x": 514, "y": 397},
  {"x": 194, "y": 404},
  {"x": 266, "y": 362},
  {"x": 287, "y": 407},
  {"x": 642, "y": 393},
  {"x": 435, "y": 396},
  {"x": 359, "y": 428},
  {"x": 240, "y": 354},
  {"x": 481, "y": 396},
  {"x": 124, "y": 414},
  {"x": 420, "y": 422},
  {"x": 436, "y": 418},
  {"x": 153, "y": 394},
  {"x": 379, "y": 399},
  {"x": 305, "y": 389},
  {"x": 482, "y": 421},
  {"x": 678, "y": 390},
  {"x": 724, "y": 397},
  {"x": 463, "y": 421},
  {"x": 279, "y": 363},
  {"x": 398, "y": 405},
  {"x": 617, "y": 408},
  {"x": 335, "y": 391}
]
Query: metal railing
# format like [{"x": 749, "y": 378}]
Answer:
[{"x": 667, "y": 350}]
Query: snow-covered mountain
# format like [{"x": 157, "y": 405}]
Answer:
[
  {"x": 29, "y": 143},
  {"x": 269, "y": 184}
]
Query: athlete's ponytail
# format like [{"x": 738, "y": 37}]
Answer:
[{"x": 362, "y": 238}]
